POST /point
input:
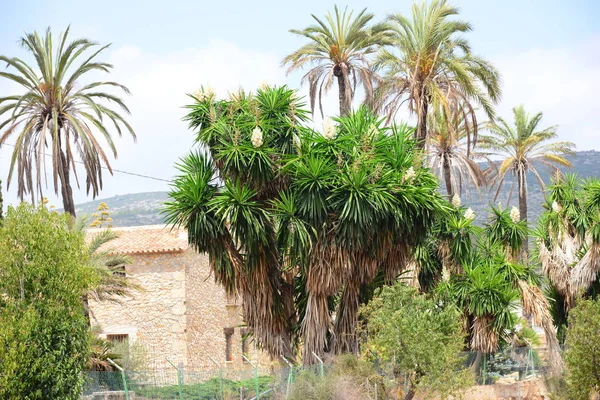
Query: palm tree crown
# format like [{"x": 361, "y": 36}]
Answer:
[
  {"x": 59, "y": 114},
  {"x": 430, "y": 63},
  {"x": 450, "y": 151},
  {"x": 339, "y": 47},
  {"x": 521, "y": 146}
]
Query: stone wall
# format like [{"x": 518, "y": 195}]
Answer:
[
  {"x": 209, "y": 313},
  {"x": 153, "y": 317},
  {"x": 180, "y": 314}
]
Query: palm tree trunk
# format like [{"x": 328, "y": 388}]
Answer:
[
  {"x": 448, "y": 177},
  {"x": 523, "y": 208},
  {"x": 66, "y": 190},
  {"x": 345, "y": 98},
  {"x": 422, "y": 124}
]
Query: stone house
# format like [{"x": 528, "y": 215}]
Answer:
[{"x": 180, "y": 315}]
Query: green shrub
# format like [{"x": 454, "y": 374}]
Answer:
[
  {"x": 422, "y": 337},
  {"x": 44, "y": 343},
  {"x": 347, "y": 378},
  {"x": 583, "y": 350}
]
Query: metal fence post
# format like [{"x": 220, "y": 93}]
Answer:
[
  {"x": 179, "y": 379},
  {"x": 484, "y": 372},
  {"x": 290, "y": 379},
  {"x": 220, "y": 377},
  {"x": 322, "y": 369},
  {"x": 255, "y": 377},
  {"x": 123, "y": 377}
]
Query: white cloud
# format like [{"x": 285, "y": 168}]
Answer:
[{"x": 562, "y": 83}]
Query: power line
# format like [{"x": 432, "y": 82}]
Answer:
[{"x": 114, "y": 170}]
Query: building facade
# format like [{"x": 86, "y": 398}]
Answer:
[{"x": 180, "y": 316}]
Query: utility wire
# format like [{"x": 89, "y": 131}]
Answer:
[{"x": 114, "y": 170}]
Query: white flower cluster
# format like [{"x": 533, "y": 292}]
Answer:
[
  {"x": 470, "y": 214},
  {"x": 329, "y": 132},
  {"x": 257, "y": 137},
  {"x": 515, "y": 214},
  {"x": 556, "y": 207},
  {"x": 456, "y": 200},
  {"x": 372, "y": 130},
  {"x": 205, "y": 94},
  {"x": 409, "y": 174},
  {"x": 264, "y": 85}
]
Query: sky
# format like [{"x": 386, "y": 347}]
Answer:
[{"x": 548, "y": 52}]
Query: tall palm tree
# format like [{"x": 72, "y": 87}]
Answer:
[
  {"x": 430, "y": 63},
  {"x": 450, "y": 151},
  {"x": 521, "y": 146},
  {"x": 339, "y": 48},
  {"x": 58, "y": 113}
]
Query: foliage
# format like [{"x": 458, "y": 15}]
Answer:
[
  {"x": 100, "y": 351},
  {"x": 44, "y": 342},
  {"x": 583, "y": 350},
  {"x": 568, "y": 236},
  {"x": 520, "y": 146},
  {"x": 57, "y": 112},
  {"x": 348, "y": 377},
  {"x": 296, "y": 221},
  {"x": 451, "y": 150},
  {"x": 339, "y": 48},
  {"x": 423, "y": 336},
  {"x": 204, "y": 391},
  {"x": 430, "y": 63}
]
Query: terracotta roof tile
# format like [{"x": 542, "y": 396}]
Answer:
[{"x": 145, "y": 240}]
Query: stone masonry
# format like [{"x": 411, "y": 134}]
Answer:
[{"x": 180, "y": 314}]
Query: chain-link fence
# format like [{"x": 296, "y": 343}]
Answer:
[{"x": 516, "y": 373}]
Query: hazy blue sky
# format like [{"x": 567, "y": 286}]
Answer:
[{"x": 547, "y": 51}]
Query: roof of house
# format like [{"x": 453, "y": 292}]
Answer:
[{"x": 148, "y": 239}]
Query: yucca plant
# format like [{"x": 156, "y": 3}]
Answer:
[
  {"x": 488, "y": 282},
  {"x": 299, "y": 222},
  {"x": 568, "y": 240},
  {"x": 61, "y": 113}
]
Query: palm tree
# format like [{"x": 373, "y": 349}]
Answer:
[
  {"x": 450, "y": 151},
  {"x": 111, "y": 285},
  {"x": 521, "y": 147},
  {"x": 431, "y": 64},
  {"x": 339, "y": 47},
  {"x": 59, "y": 114}
]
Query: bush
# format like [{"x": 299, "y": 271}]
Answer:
[
  {"x": 423, "y": 338},
  {"x": 43, "y": 331},
  {"x": 348, "y": 378},
  {"x": 583, "y": 350}
]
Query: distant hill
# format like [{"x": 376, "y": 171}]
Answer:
[
  {"x": 130, "y": 209},
  {"x": 144, "y": 208},
  {"x": 585, "y": 163}
]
